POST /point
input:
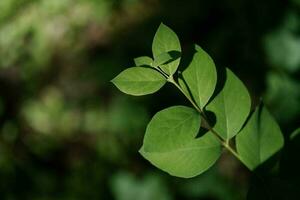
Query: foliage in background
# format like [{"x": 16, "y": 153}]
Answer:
[{"x": 285, "y": 61}]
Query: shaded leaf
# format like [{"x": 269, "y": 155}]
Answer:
[
  {"x": 162, "y": 59},
  {"x": 166, "y": 58},
  {"x": 170, "y": 143},
  {"x": 143, "y": 61},
  {"x": 231, "y": 107},
  {"x": 139, "y": 81},
  {"x": 259, "y": 139},
  {"x": 165, "y": 40},
  {"x": 201, "y": 77}
]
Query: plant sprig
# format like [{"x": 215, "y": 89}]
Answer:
[{"x": 171, "y": 141}]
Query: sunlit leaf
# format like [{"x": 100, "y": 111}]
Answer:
[
  {"x": 201, "y": 77},
  {"x": 259, "y": 139},
  {"x": 139, "y": 81},
  {"x": 230, "y": 107},
  {"x": 165, "y": 40},
  {"x": 170, "y": 143}
]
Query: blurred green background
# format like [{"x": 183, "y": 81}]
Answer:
[{"x": 66, "y": 133}]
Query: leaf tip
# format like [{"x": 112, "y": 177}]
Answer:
[
  {"x": 162, "y": 24},
  {"x": 141, "y": 151},
  {"x": 113, "y": 81},
  {"x": 197, "y": 47}
]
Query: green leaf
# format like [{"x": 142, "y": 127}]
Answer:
[
  {"x": 230, "y": 107},
  {"x": 165, "y": 40},
  {"x": 139, "y": 81},
  {"x": 143, "y": 61},
  {"x": 170, "y": 143},
  {"x": 259, "y": 139},
  {"x": 201, "y": 78},
  {"x": 295, "y": 133}
]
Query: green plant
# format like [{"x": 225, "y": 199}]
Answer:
[{"x": 171, "y": 142}]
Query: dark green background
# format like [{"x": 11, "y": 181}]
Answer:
[{"x": 67, "y": 133}]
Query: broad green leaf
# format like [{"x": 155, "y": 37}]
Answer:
[
  {"x": 259, "y": 139},
  {"x": 139, "y": 81},
  {"x": 295, "y": 133},
  {"x": 143, "y": 60},
  {"x": 165, "y": 40},
  {"x": 201, "y": 78},
  {"x": 170, "y": 143},
  {"x": 230, "y": 107}
]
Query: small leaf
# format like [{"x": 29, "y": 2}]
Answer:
[
  {"x": 230, "y": 107},
  {"x": 139, "y": 81},
  {"x": 259, "y": 139},
  {"x": 143, "y": 61},
  {"x": 201, "y": 77},
  {"x": 165, "y": 40},
  {"x": 295, "y": 133},
  {"x": 170, "y": 143}
]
